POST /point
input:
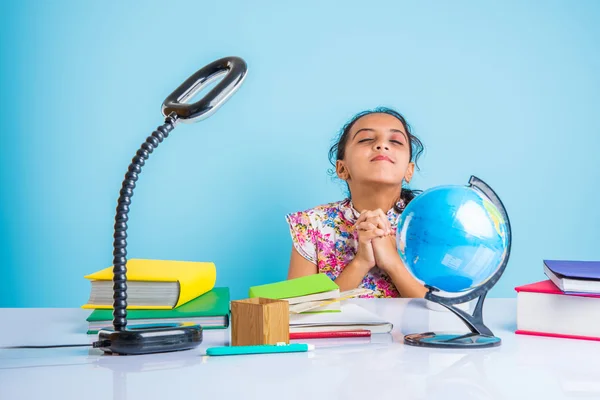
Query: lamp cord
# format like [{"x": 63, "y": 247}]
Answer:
[
  {"x": 96, "y": 344},
  {"x": 46, "y": 347},
  {"x": 120, "y": 235}
]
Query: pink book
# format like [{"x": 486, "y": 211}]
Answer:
[{"x": 549, "y": 288}]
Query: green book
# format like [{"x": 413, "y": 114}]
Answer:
[
  {"x": 210, "y": 310},
  {"x": 300, "y": 290}
]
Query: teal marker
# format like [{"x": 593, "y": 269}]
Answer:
[{"x": 262, "y": 349}]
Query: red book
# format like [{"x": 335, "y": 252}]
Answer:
[
  {"x": 329, "y": 334},
  {"x": 544, "y": 310}
]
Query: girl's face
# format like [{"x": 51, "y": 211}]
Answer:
[{"x": 377, "y": 152}]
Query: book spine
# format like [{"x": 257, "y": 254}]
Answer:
[{"x": 556, "y": 335}]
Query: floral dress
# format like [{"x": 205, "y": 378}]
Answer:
[{"x": 325, "y": 236}]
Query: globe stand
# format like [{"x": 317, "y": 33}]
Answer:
[{"x": 480, "y": 336}]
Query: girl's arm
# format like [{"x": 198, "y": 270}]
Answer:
[
  {"x": 300, "y": 266},
  {"x": 387, "y": 258},
  {"x": 405, "y": 283},
  {"x": 364, "y": 259},
  {"x": 391, "y": 263},
  {"x": 350, "y": 278}
]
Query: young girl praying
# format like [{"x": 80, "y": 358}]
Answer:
[{"x": 353, "y": 240}]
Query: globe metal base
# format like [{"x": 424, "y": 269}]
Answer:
[{"x": 451, "y": 340}]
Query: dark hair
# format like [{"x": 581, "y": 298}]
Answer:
[{"x": 337, "y": 151}]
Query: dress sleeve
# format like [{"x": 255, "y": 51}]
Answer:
[{"x": 303, "y": 235}]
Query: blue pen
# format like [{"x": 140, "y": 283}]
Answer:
[{"x": 261, "y": 349}]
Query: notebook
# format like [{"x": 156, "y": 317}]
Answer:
[
  {"x": 351, "y": 317},
  {"x": 301, "y": 290},
  {"x": 210, "y": 310},
  {"x": 574, "y": 276},
  {"x": 153, "y": 284},
  {"x": 544, "y": 310}
]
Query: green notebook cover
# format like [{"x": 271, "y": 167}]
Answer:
[
  {"x": 210, "y": 304},
  {"x": 310, "y": 284}
]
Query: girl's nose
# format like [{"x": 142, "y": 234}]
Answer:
[{"x": 380, "y": 146}]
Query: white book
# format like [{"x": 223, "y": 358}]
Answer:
[
  {"x": 328, "y": 304},
  {"x": 332, "y": 294},
  {"x": 351, "y": 317},
  {"x": 146, "y": 293}
]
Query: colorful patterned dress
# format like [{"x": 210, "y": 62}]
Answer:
[{"x": 325, "y": 236}]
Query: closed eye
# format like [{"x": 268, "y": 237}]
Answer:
[
  {"x": 397, "y": 142},
  {"x": 364, "y": 140}
]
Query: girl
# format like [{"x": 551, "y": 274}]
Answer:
[{"x": 353, "y": 240}]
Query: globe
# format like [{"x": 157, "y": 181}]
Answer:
[{"x": 452, "y": 238}]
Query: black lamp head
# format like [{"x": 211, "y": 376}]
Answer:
[
  {"x": 233, "y": 72},
  {"x": 158, "y": 338}
]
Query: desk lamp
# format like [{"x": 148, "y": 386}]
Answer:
[{"x": 157, "y": 338}]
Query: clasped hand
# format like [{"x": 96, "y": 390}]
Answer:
[{"x": 376, "y": 241}]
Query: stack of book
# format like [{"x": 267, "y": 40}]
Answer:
[
  {"x": 316, "y": 306},
  {"x": 351, "y": 318},
  {"x": 160, "y": 291},
  {"x": 298, "y": 291},
  {"x": 566, "y": 305}
]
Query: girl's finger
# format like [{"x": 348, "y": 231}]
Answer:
[
  {"x": 366, "y": 226},
  {"x": 381, "y": 223},
  {"x": 379, "y": 212},
  {"x": 377, "y": 217},
  {"x": 368, "y": 230},
  {"x": 363, "y": 216},
  {"x": 385, "y": 218}
]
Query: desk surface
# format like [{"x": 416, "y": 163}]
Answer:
[{"x": 381, "y": 367}]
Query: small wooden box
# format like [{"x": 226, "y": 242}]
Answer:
[{"x": 259, "y": 321}]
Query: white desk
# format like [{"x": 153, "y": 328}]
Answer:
[{"x": 380, "y": 368}]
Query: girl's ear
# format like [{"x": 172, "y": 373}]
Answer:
[
  {"x": 409, "y": 172},
  {"x": 341, "y": 170}
]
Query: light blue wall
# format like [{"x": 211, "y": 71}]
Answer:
[{"x": 508, "y": 92}]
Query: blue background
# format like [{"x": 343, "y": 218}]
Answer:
[{"x": 508, "y": 92}]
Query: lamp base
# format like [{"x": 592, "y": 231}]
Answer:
[
  {"x": 451, "y": 340},
  {"x": 150, "y": 338}
]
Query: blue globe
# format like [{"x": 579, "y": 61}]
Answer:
[{"x": 452, "y": 238}]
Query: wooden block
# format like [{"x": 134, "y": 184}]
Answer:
[{"x": 259, "y": 321}]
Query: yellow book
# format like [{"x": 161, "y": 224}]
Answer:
[{"x": 154, "y": 284}]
